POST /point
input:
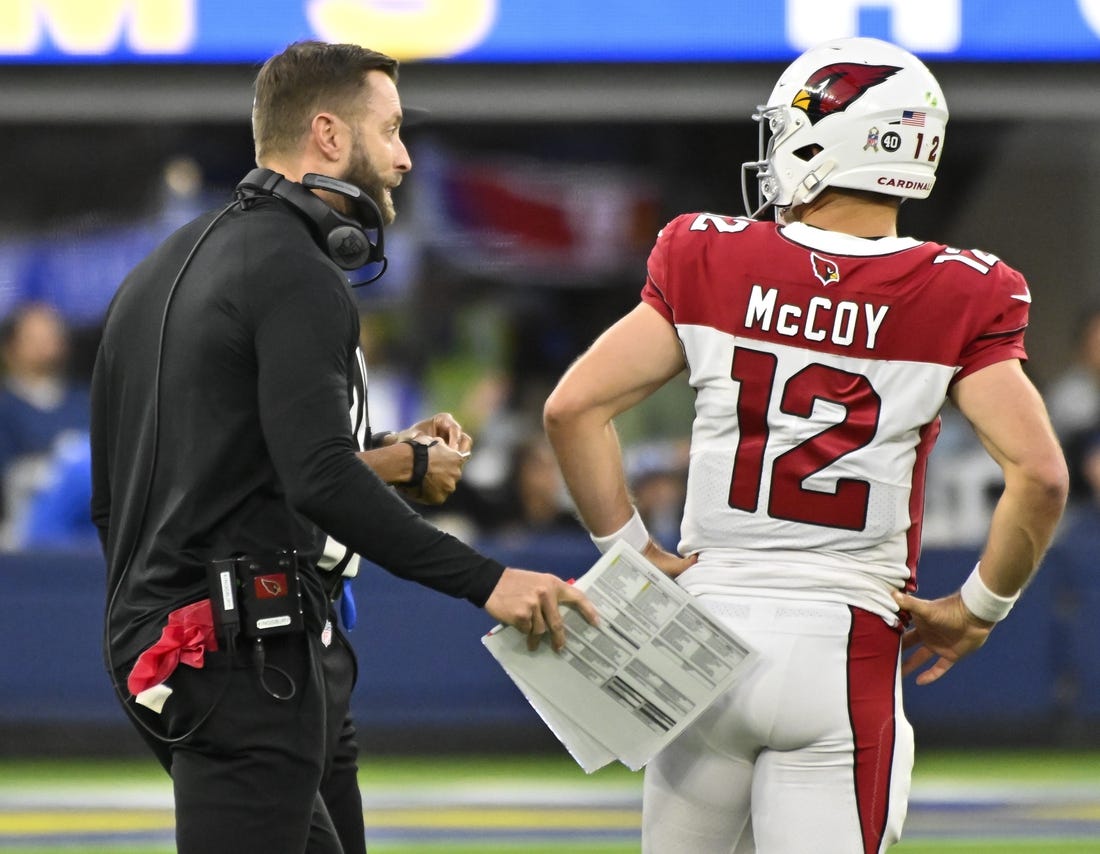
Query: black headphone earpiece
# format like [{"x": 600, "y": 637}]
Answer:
[{"x": 344, "y": 239}]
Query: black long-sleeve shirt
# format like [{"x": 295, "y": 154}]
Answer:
[{"x": 233, "y": 435}]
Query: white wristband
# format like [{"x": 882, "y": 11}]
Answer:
[
  {"x": 982, "y": 602},
  {"x": 634, "y": 532}
]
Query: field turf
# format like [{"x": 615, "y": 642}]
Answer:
[{"x": 1034, "y": 802}]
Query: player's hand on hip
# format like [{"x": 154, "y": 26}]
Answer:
[
  {"x": 941, "y": 631},
  {"x": 670, "y": 564},
  {"x": 529, "y": 601}
]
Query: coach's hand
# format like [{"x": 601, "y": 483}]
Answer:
[
  {"x": 442, "y": 477},
  {"x": 940, "y": 627},
  {"x": 529, "y": 602},
  {"x": 442, "y": 426}
]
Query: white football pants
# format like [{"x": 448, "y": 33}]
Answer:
[{"x": 809, "y": 753}]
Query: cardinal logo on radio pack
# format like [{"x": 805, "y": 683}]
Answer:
[
  {"x": 832, "y": 88},
  {"x": 271, "y": 586}
]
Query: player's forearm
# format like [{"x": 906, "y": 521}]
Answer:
[
  {"x": 1023, "y": 524},
  {"x": 588, "y": 452}
]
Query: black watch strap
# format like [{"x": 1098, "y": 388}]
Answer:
[{"x": 420, "y": 463}]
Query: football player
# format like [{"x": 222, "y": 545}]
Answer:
[{"x": 821, "y": 346}]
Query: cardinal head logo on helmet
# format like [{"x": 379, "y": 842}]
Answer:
[{"x": 832, "y": 88}]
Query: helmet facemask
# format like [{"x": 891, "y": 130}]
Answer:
[{"x": 777, "y": 124}]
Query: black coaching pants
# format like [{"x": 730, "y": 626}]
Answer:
[
  {"x": 247, "y": 780},
  {"x": 340, "y": 783}
]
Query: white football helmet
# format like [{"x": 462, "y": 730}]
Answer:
[{"x": 858, "y": 113}]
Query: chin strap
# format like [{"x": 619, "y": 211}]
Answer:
[{"x": 814, "y": 183}]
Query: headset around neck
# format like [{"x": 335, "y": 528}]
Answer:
[{"x": 344, "y": 239}]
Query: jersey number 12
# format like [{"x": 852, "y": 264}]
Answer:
[{"x": 788, "y": 498}]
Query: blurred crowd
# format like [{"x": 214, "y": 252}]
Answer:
[
  {"x": 44, "y": 451},
  {"x": 512, "y": 487}
]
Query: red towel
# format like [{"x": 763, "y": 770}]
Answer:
[{"x": 185, "y": 640}]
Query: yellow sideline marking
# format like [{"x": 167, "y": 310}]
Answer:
[
  {"x": 90, "y": 821},
  {"x": 1066, "y": 812},
  {"x": 78, "y": 821},
  {"x": 558, "y": 819}
]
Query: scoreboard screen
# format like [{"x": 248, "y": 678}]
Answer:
[{"x": 542, "y": 31}]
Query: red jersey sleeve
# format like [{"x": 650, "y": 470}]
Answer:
[
  {"x": 1001, "y": 319},
  {"x": 657, "y": 291}
]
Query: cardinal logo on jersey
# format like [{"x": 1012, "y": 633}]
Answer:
[
  {"x": 827, "y": 272},
  {"x": 832, "y": 88}
]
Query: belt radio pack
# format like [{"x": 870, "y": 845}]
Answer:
[{"x": 255, "y": 595}]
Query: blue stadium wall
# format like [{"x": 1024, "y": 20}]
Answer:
[{"x": 426, "y": 683}]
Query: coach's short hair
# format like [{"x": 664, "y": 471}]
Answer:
[{"x": 307, "y": 78}]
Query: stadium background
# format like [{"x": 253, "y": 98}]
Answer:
[{"x": 559, "y": 142}]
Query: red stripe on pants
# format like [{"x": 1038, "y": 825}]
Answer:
[{"x": 872, "y": 672}]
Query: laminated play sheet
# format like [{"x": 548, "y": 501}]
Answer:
[{"x": 624, "y": 689}]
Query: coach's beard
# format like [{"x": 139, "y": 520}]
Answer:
[{"x": 366, "y": 178}]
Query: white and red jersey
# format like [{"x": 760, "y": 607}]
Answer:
[{"x": 820, "y": 363}]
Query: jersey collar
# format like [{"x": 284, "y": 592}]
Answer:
[{"x": 838, "y": 243}]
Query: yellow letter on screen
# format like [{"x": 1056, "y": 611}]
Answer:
[
  {"x": 97, "y": 27},
  {"x": 405, "y": 29}
]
